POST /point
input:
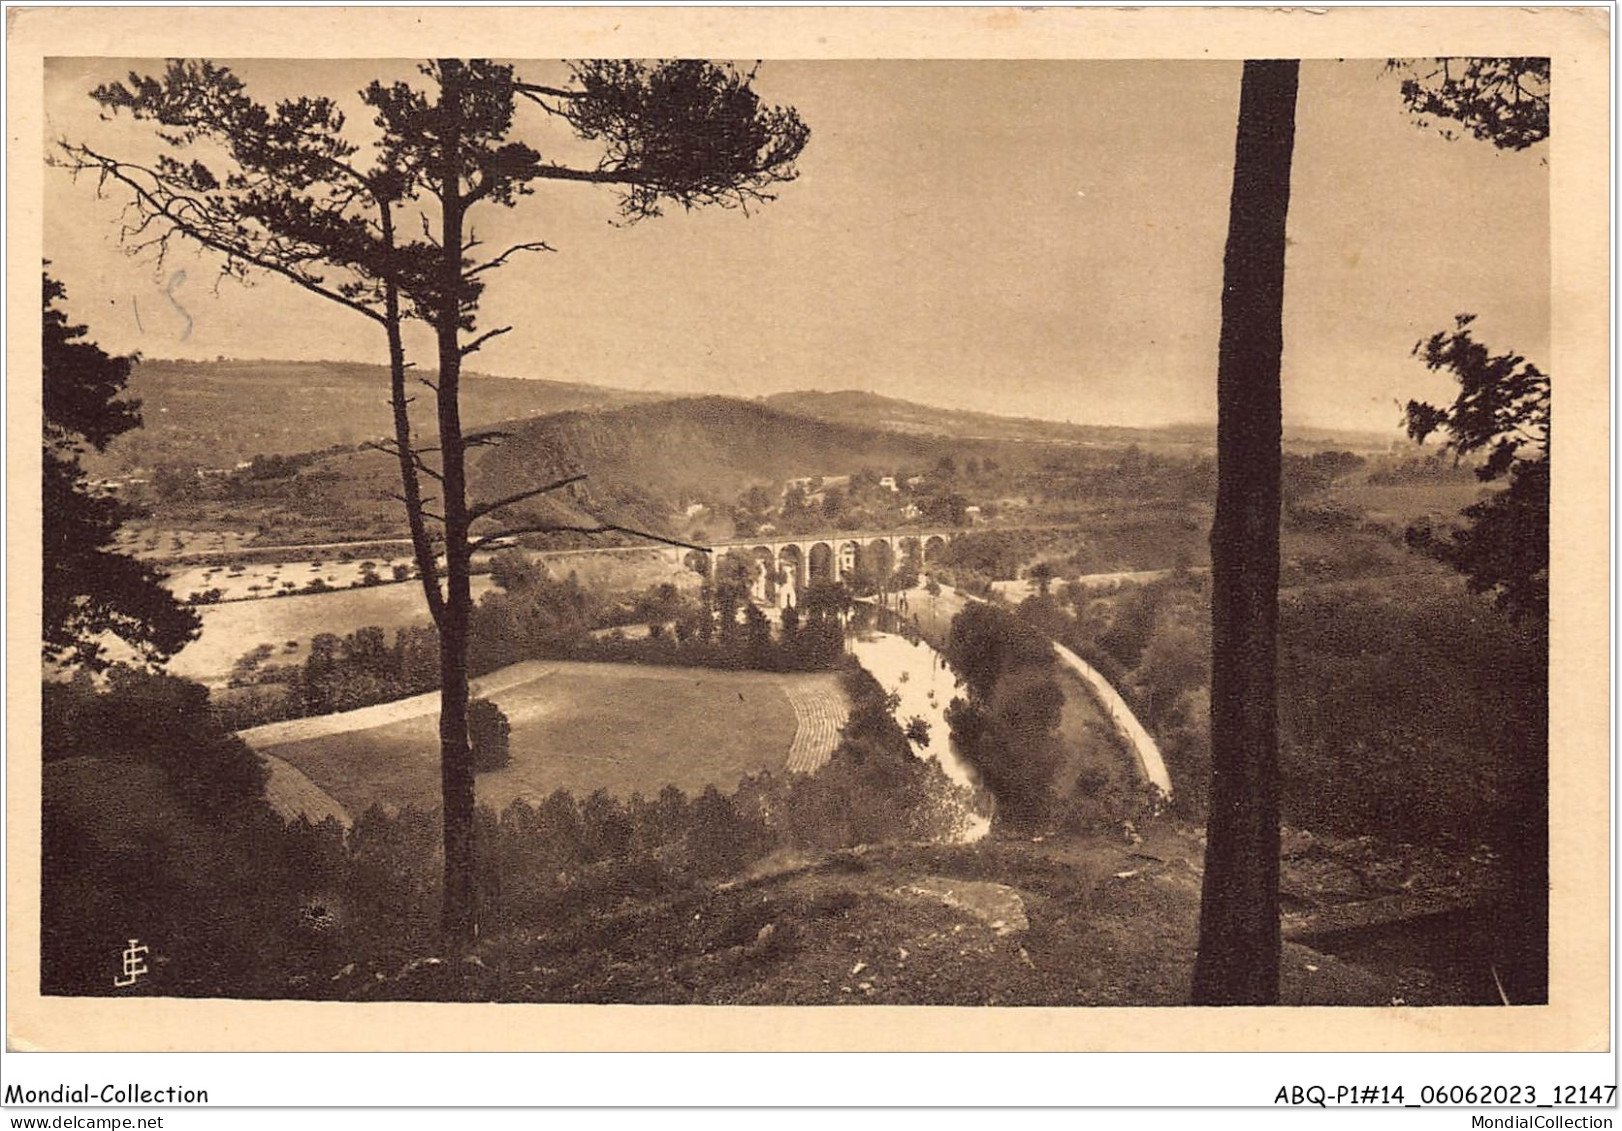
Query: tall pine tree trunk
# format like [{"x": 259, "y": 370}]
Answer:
[
  {"x": 1239, "y": 941},
  {"x": 422, "y": 547},
  {"x": 459, "y": 913}
]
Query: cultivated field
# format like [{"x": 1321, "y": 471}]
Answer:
[
  {"x": 1402, "y": 503},
  {"x": 140, "y": 540},
  {"x": 251, "y": 580},
  {"x": 622, "y": 728},
  {"x": 234, "y": 628}
]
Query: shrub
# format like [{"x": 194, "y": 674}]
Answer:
[
  {"x": 490, "y": 733},
  {"x": 158, "y": 719},
  {"x": 1324, "y": 515}
]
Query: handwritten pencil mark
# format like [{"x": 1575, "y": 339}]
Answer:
[{"x": 175, "y": 280}]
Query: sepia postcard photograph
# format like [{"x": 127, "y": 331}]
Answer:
[{"x": 882, "y": 529}]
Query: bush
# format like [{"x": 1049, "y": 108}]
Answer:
[
  {"x": 256, "y": 704},
  {"x": 514, "y": 570},
  {"x": 216, "y": 896},
  {"x": 158, "y": 719},
  {"x": 490, "y": 733},
  {"x": 1324, "y": 516}
]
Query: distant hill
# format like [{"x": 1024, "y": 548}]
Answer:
[
  {"x": 890, "y": 414},
  {"x": 894, "y": 415},
  {"x": 650, "y": 457},
  {"x": 661, "y": 456},
  {"x": 215, "y": 413},
  {"x": 646, "y": 462},
  {"x": 1307, "y": 438}
]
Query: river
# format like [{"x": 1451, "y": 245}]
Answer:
[{"x": 916, "y": 673}]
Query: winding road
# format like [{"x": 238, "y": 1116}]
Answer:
[{"x": 1126, "y": 723}]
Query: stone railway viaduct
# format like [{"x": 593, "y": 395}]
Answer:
[
  {"x": 802, "y": 559},
  {"x": 786, "y": 565}
]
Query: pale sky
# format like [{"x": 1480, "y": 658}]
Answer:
[{"x": 1031, "y": 238}]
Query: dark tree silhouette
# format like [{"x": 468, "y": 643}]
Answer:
[
  {"x": 91, "y": 590},
  {"x": 1502, "y": 409},
  {"x": 1501, "y": 100},
  {"x": 490, "y": 734},
  {"x": 1238, "y": 959},
  {"x": 291, "y": 197},
  {"x": 1505, "y": 101},
  {"x": 1502, "y": 406},
  {"x": 1041, "y": 575}
]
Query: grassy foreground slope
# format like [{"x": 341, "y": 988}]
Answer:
[
  {"x": 1068, "y": 922},
  {"x": 1072, "y": 922}
]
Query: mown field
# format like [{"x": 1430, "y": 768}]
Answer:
[{"x": 582, "y": 727}]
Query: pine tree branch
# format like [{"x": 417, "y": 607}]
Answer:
[
  {"x": 189, "y": 217},
  {"x": 476, "y": 343},
  {"x": 427, "y": 232},
  {"x": 531, "y": 90},
  {"x": 539, "y": 95},
  {"x": 537, "y": 245},
  {"x": 601, "y": 176},
  {"x": 392, "y": 448},
  {"x": 479, "y": 511},
  {"x": 601, "y": 528},
  {"x": 426, "y": 513}
]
